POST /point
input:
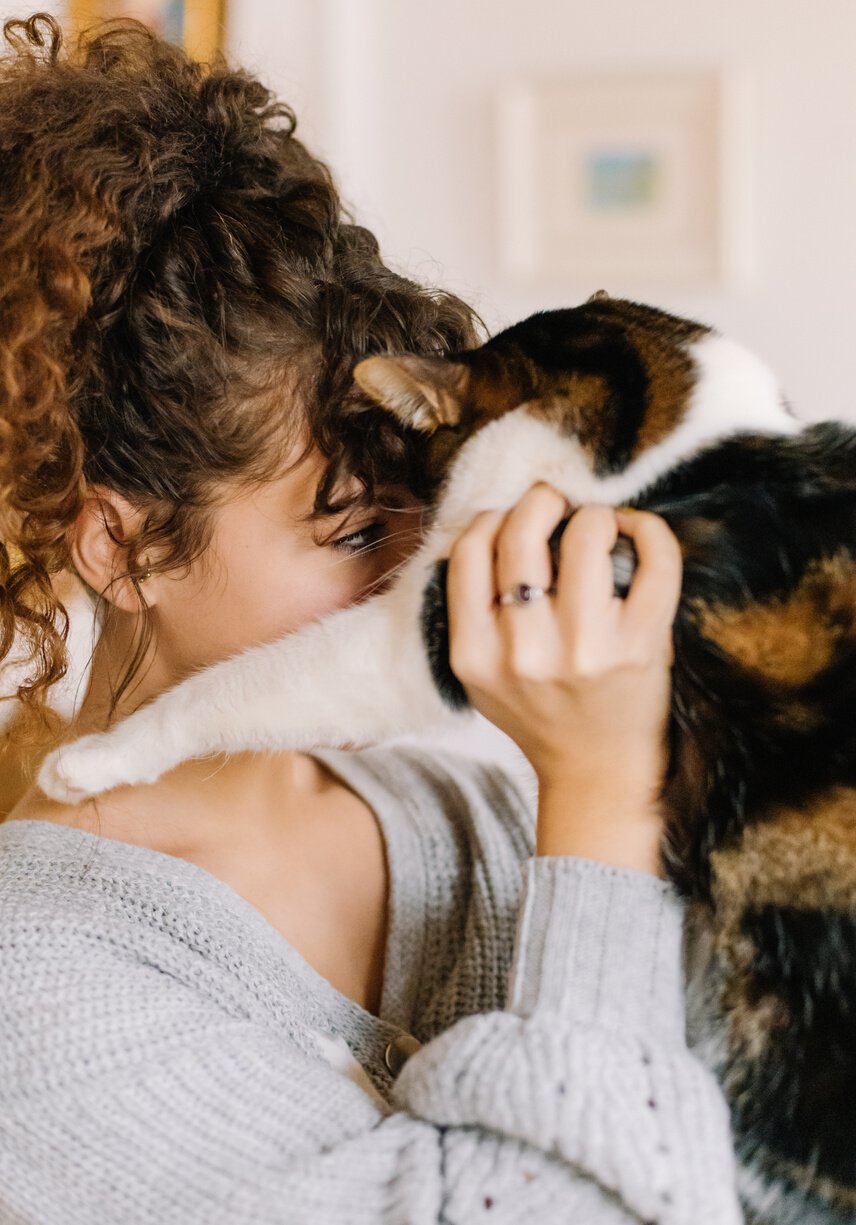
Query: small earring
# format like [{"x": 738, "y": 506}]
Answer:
[{"x": 147, "y": 573}]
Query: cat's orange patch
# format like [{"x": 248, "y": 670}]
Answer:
[
  {"x": 807, "y": 1177},
  {"x": 796, "y": 857},
  {"x": 804, "y": 857},
  {"x": 580, "y": 404},
  {"x": 793, "y": 639},
  {"x": 795, "y": 716},
  {"x": 499, "y": 384},
  {"x": 671, "y": 377},
  {"x": 576, "y": 407}
]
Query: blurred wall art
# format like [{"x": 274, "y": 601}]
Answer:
[
  {"x": 195, "y": 24},
  {"x": 631, "y": 175}
]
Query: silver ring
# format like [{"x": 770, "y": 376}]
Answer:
[{"x": 524, "y": 593}]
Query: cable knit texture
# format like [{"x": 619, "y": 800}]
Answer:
[{"x": 161, "y": 1061}]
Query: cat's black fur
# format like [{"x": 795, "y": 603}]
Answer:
[{"x": 754, "y": 513}]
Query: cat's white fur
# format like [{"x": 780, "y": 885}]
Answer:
[{"x": 360, "y": 676}]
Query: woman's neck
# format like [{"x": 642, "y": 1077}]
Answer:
[{"x": 115, "y": 649}]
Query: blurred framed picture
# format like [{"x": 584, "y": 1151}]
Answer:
[
  {"x": 625, "y": 177},
  {"x": 196, "y": 25}
]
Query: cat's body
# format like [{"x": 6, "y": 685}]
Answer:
[{"x": 618, "y": 403}]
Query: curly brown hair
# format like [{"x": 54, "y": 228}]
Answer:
[{"x": 177, "y": 272}]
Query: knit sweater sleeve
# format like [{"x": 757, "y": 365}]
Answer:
[{"x": 578, "y": 1102}]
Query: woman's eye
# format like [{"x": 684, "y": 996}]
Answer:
[{"x": 357, "y": 541}]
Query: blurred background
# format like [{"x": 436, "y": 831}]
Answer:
[
  {"x": 525, "y": 153},
  {"x": 405, "y": 101}
]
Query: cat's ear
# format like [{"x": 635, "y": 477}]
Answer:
[{"x": 422, "y": 392}]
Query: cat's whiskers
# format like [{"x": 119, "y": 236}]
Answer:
[
  {"x": 384, "y": 580},
  {"x": 375, "y": 544}
]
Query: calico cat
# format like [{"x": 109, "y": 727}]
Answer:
[{"x": 621, "y": 403}]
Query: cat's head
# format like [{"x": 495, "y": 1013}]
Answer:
[{"x": 616, "y": 375}]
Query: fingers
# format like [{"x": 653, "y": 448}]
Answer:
[
  {"x": 501, "y": 549},
  {"x": 522, "y": 553},
  {"x": 656, "y": 587},
  {"x": 496, "y": 552},
  {"x": 585, "y": 583},
  {"x": 586, "y": 576},
  {"x": 529, "y": 632},
  {"x": 470, "y": 592}
]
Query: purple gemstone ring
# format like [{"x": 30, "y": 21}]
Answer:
[{"x": 524, "y": 593}]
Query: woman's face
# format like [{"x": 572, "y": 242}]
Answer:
[{"x": 269, "y": 570}]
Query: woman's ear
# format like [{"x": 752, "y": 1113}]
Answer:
[{"x": 102, "y": 546}]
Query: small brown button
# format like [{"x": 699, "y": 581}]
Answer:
[{"x": 399, "y": 1051}]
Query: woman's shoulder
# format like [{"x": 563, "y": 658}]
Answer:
[
  {"x": 113, "y": 953},
  {"x": 482, "y": 792}
]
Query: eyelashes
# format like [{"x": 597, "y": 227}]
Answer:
[
  {"x": 379, "y": 532},
  {"x": 356, "y": 542}
]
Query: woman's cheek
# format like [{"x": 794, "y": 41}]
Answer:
[{"x": 332, "y": 587}]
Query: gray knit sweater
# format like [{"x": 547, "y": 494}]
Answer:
[{"x": 159, "y": 1063}]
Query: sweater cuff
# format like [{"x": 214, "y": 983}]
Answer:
[{"x": 601, "y": 945}]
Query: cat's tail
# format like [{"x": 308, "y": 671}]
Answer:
[{"x": 786, "y": 960}]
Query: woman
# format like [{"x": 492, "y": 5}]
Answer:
[{"x": 189, "y": 967}]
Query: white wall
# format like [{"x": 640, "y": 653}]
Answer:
[{"x": 399, "y": 95}]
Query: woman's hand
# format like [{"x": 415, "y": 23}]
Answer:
[{"x": 581, "y": 681}]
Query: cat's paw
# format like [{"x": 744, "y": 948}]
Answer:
[{"x": 83, "y": 768}]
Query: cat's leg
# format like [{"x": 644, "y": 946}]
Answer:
[{"x": 357, "y": 677}]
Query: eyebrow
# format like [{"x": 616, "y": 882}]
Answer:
[
  {"x": 323, "y": 528},
  {"x": 385, "y": 498},
  {"x": 339, "y": 510},
  {"x": 330, "y": 512}
]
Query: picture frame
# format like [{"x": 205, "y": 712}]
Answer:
[
  {"x": 197, "y": 25},
  {"x": 627, "y": 177}
]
